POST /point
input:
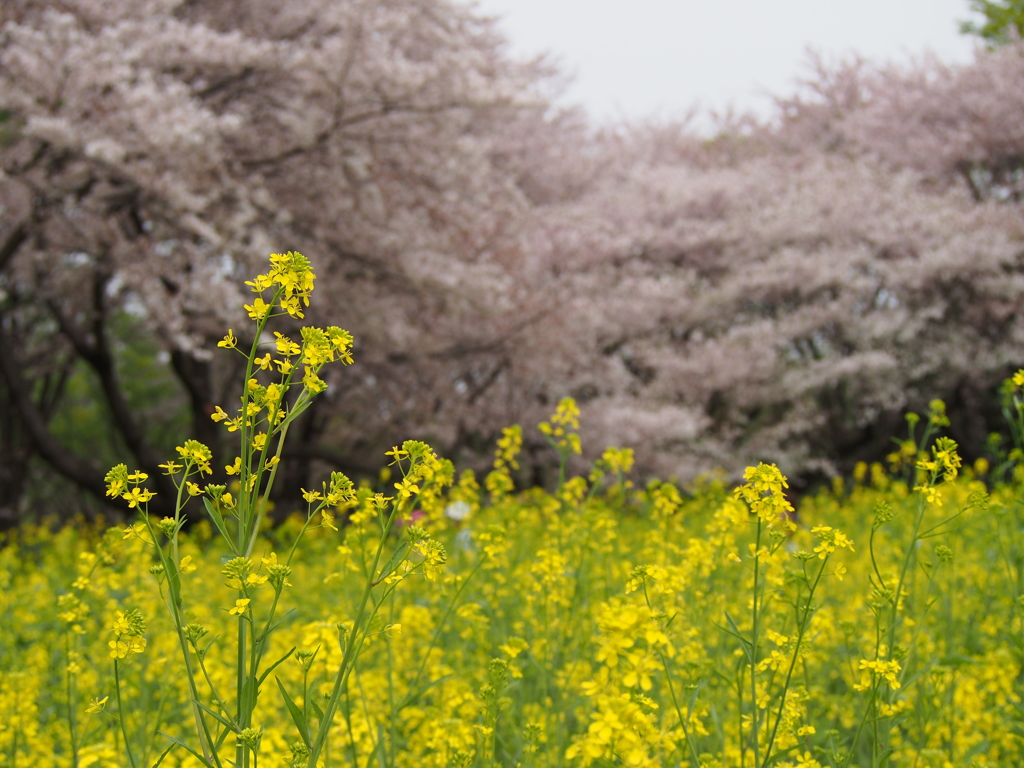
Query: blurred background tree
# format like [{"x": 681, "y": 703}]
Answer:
[
  {"x": 1004, "y": 21},
  {"x": 780, "y": 292}
]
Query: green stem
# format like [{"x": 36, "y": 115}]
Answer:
[
  {"x": 351, "y": 646},
  {"x": 347, "y": 712},
  {"x": 120, "y": 715},
  {"x": 739, "y": 713},
  {"x": 863, "y": 721},
  {"x": 682, "y": 721},
  {"x": 71, "y": 702},
  {"x": 244, "y": 430},
  {"x": 804, "y": 623},
  {"x": 391, "y": 687},
  {"x": 240, "y": 704},
  {"x": 170, "y": 564},
  {"x": 922, "y": 505},
  {"x": 440, "y": 625},
  {"x": 753, "y": 649},
  {"x": 213, "y": 690}
]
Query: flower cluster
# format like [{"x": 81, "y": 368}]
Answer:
[
  {"x": 878, "y": 669},
  {"x": 128, "y": 628},
  {"x": 829, "y": 540},
  {"x": 290, "y": 277},
  {"x": 499, "y": 481},
  {"x": 118, "y": 481},
  {"x": 764, "y": 493},
  {"x": 562, "y": 430}
]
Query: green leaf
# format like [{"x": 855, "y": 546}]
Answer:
[
  {"x": 917, "y": 675},
  {"x": 219, "y": 522},
  {"x": 273, "y": 666},
  {"x": 297, "y": 716},
  {"x": 220, "y": 739},
  {"x": 978, "y": 749},
  {"x": 735, "y": 632},
  {"x": 956, "y": 660},
  {"x": 382, "y": 758},
  {"x": 274, "y": 626},
  {"x": 163, "y": 755},
  {"x": 393, "y": 562},
  {"x": 218, "y": 717},
  {"x": 194, "y": 754},
  {"x": 316, "y": 709},
  {"x": 693, "y": 699},
  {"x": 414, "y": 697}
]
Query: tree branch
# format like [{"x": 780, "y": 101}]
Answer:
[
  {"x": 98, "y": 356},
  {"x": 83, "y": 473},
  {"x": 335, "y": 458},
  {"x": 12, "y": 243}
]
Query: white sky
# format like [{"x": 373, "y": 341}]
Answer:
[{"x": 639, "y": 58}]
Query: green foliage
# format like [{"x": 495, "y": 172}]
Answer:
[
  {"x": 1004, "y": 21},
  {"x": 8, "y": 127},
  {"x": 82, "y": 421}
]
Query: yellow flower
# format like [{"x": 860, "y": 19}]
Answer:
[
  {"x": 137, "y": 496},
  {"x": 260, "y": 283},
  {"x": 807, "y": 761},
  {"x": 197, "y": 453},
  {"x": 134, "y": 531},
  {"x": 258, "y": 309},
  {"x": 185, "y": 566},
  {"x": 240, "y": 606},
  {"x": 328, "y": 520},
  {"x": 121, "y": 624},
  {"x": 398, "y": 453},
  {"x": 236, "y": 468},
  {"x": 831, "y": 540},
  {"x": 286, "y": 346},
  {"x": 764, "y": 493},
  {"x": 313, "y": 383},
  {"x": 229, "y": 341},
  {"x": 889, "y": 670},
  {"x": 123, "y": 647},
  {"x": 407, "y": 488},
  {"x": 97, "y": 705}
]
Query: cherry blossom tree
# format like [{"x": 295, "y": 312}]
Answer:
[
  {"x": 154, "y": 151},
  {"x": 782, "y": 291}
]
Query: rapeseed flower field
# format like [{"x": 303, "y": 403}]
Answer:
[{"x": 442, "y": 620}]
